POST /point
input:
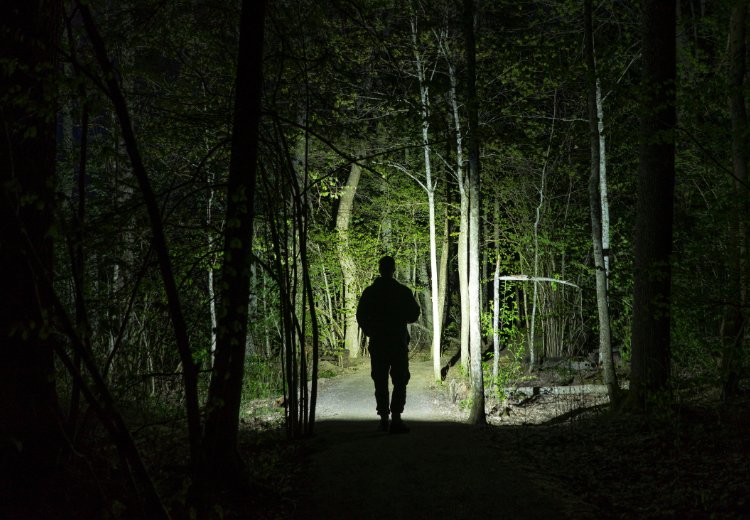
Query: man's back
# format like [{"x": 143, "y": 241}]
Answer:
[{"x": 385, "y": 308}]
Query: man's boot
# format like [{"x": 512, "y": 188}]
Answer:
[
  {"x": 383, "y": 426},
  {"x": 398, "y": 425}
]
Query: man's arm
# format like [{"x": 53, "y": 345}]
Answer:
[
  {"x": 364, "y": 312},
  {"x": 411, "y": 309}
]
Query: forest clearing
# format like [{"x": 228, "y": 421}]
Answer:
[{"x": 224, "y": 225}]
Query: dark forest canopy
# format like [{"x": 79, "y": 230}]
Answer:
[{"x": 195, "y": 195}]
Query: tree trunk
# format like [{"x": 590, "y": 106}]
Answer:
[
  {"x": 348, "y": 269},
  {"x": 477, "y": 415},
  {"x": 443, "y": 278},
  {"x": 736, "y": 322},
  {"x": 211, "y": 293},
  {"x": 496, "y": 291},
  {"x": 28, "y": 400},
  {"x": 220, "y": 460},
  {"x": 463, "y": 236},
  {"x": 654, "y": 212},
  {"x": 603, "y": 179},
  {"x": 496, "y": 325},
  {"x": 605, "y": 341},
  {"x": 426, "y": 293},
  {"x": 430, "y": 188}
]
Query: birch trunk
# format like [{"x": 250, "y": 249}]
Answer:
[
  {"x": 443, "y": 278},
  {"x": 603, "y": 180},
  {"x": 463, "y": 237},
  {"x": 496, "y": 324},
  {"x": 430, "y": 188},
  {"x": 211, "y": 294},
  {"x": 595, "y": 203}
]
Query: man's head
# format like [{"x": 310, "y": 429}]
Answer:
[{"x": 387, "y": 266}]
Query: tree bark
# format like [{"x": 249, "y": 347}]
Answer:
[
  {"x": 477, "y": 415},
  {"x": 443, "y": 278},
  {"x": 348, "y": 269},
  {"x": 463, "y": 236},
  {"x": 220, "y": 459},
  {"x": 29, "y": 36},
  {"x": 654, "y": 211},
  {"x": 430, "y": 188},
  {"x": 605, "y": 335},
  {"x": 738, "y": 298}
]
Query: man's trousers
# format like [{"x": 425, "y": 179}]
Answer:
[{"x": 394, "y": 358}]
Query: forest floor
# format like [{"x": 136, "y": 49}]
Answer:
[{"x": 539, "y": 457}]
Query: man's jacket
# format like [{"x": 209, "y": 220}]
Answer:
[{"x": 384, "y": 310}]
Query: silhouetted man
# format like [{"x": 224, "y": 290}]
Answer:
[{"x": 383, "y": 312}]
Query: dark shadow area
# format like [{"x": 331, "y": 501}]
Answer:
[
  {"x": 439, "y": 470},
  {"x": 452, "y": 362}
]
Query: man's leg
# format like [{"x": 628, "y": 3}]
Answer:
[
  {"x": 379, "y": 373},
  {"x": 400, "y": 376}
]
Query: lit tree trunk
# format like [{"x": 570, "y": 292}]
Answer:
[
  {"x": 603, "y": 179},
  {"x": 736, "y": 323},
  {"x": 463, "y": 237},
  {"x": 595, "y": 203},
  {"x": 496, "y": 324},
  {"x": 331, "y": 321},
  {"x": 654, "y": 212},
  {"x": 496, "y": 291},
  {"x": 477, "y": 415},
  {"x": 532, "y": 334},
  {"x": 28, "y": 399},
  {"x": 430, "y": 188},
  {"x": 348, "y": 269},
  {"x": 221, "y": 462},
  {"x": 443, "y": 289},
  {"x": 211, "y": 294}
]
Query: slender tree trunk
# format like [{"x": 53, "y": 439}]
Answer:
[
  {"x": 603, "y": 179},
  {"x": 656, "y": 174},
  {"x": 331, "y": 321},
  {"x": 348, "y": 269},
  {"x": 424, "y": 278},
  {"x": 28, "y": 399},
  {"x": 532, "y": 334},
  {"x": 430, "y": 188},
  {"x": 220, "y": 461},
  {"x": 595, "y": 203},
  {"x": 496, "y": 290},
  {"x": 477, "y": 415},
  {"x": 211, "y": 293},
  {"x": 737, "y": 49},
  {"x": 463, "y": 237},
  {"x": 496, "y": 324},
  {"x": 443, "y": 287}
]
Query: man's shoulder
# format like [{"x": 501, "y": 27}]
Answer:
[
  {"x": 385, "y": 288},
  {"x": 392, "y": 284}
]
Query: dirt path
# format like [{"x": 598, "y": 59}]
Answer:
[{"x": 442, "y": 469}]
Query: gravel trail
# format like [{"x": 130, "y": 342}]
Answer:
[{"x": 442, "y": 469}]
